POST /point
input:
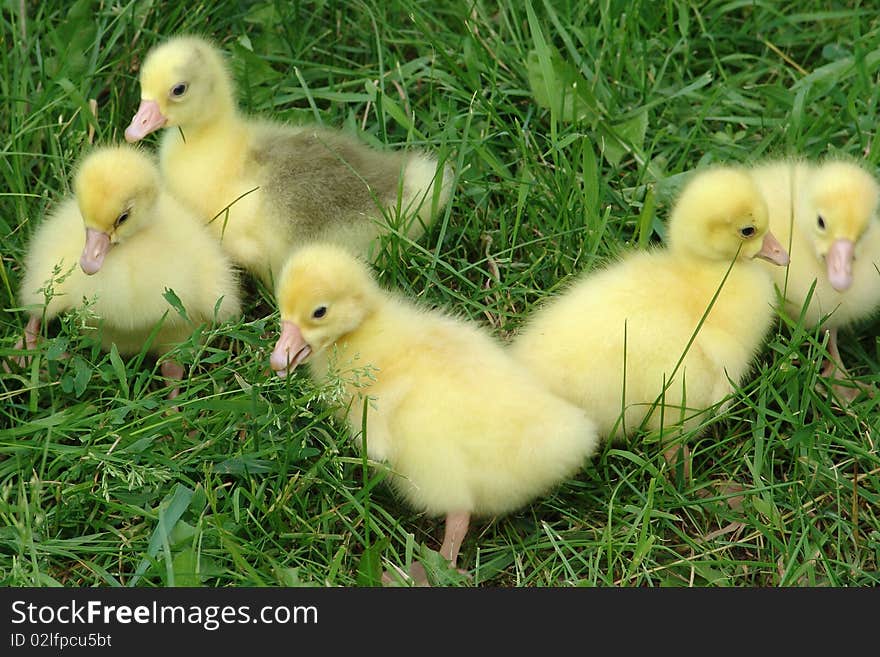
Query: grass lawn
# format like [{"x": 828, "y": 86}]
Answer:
[{"x": 252, "y": 482}]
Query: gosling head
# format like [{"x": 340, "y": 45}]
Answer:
[
  {"x": 323, "y": 293},
  {"x": 116, "y": 188},
  {"x": 721, "y": 215},
  {"x": 184, "y": 82},
  {"x": 836, "y": 210}
]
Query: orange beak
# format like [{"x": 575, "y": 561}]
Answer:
[
  {"x": 772, "y": 250},
  {"x": 290, "y": 350},
  {"x": 96, "y": 248},
  {"x": 148, "y": 119},
  {"x": 839, "y": 263}
]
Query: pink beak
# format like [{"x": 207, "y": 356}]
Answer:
[
  {"x": 97, "y": 246},
  {"x": 148, "y": 119},
  {"x": 290, "y": 350},
  {"x": 772, "y": 250},
  {"x": 839, "y": 262}
]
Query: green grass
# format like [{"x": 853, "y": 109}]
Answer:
[{"x": 251, "y": 482}]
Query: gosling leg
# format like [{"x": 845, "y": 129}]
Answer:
[
  {"x": 171, "y": 369},
  {"x": 28, "y": 342},
  {"x": 32, "y": 332},
  {"x": 456, "y": 529},
  {"x": 835, "y": 369},
  {"x": 454, "y": 533}
]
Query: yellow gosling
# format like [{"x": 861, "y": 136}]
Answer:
[
  {"x": 827, "y": 212},
  {"x": 612, "y": 341},
  {"x": 465, "y": 430},
  {"x": 283, "y": 185},
  {"x": 124, "y": 240}
]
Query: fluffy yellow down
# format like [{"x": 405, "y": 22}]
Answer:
[
  {"x": 462, "y": 426},
  {"x": 845, "y": 196},
  {"x": 614, "y": 338},
  {"x": 287, "y": 185},
  {"x": 159, "y": 245}
]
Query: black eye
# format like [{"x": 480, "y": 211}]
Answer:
[
  {"x": 820, "y": 222},
  {"x": 121, "y": 219},
  {"x": 320, "y": 311},
  {"x": 748, "y": 231},
  {"x": 178, "y": 89}
]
